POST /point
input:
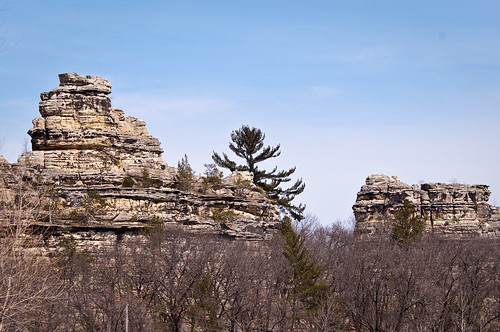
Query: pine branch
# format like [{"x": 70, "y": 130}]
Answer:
[{"x": 248, "y": 143}]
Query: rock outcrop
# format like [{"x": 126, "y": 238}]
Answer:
[
  {"x": 81, "y": 137},
  {"x": 104, "y": 171},
  {"x": 452, "y": 209}
]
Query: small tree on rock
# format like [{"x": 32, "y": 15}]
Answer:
[
  {"x": 185, "y": 175},
  {"x": 212, "y": 177},
  {"x": 248, "y": 143},
  {"x": 407, "y": 224},
  {"x": 93, "y": 204}
]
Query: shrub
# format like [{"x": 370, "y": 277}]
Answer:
[
  {"x": 128, "y": 181},
  {"x": 212, "y": 177},
  {"x": 74, "y": 215},
  {"x": 222, "y": 215},
  {"x": 155, "y": 230},
  {"x": 146, "y": 179}
]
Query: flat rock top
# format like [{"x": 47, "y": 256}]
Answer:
[
  {"x": 74, "y": 83},
  {"x": 380, "y": 179},
  {"x": 75, "y": 79}
]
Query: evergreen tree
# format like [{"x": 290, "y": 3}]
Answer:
[
  {"x": 407, "y": 224},
  {"x": 305, "y": 275},
  {"x": 185, "y": 175},
  {"x": 212, "y": 177},
  {"x": 248, "y": 143}
]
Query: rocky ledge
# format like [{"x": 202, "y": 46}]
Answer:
[
  {"x": 101, "y": 169},
  {"x": 455, "y": 210}
]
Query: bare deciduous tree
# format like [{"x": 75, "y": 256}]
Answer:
[{"x": 29, "y": 284}]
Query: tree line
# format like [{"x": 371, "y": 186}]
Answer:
[{"x": 309, "y": 277}]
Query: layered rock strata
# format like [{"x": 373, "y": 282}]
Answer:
[
  {"x": 81, "y": 137},
  {"x": 451, "y": 209},
  {"x": 104, "y": 171}
]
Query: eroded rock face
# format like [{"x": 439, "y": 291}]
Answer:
[
  {"x": 104, "y": 168},
  {"x": 82, "y": 136},
  {"x": 451, "y": 209}
]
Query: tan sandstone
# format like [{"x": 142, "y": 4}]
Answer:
[
  {"x": 84, "y": 150},
  {"x": 453, "y": 209}
]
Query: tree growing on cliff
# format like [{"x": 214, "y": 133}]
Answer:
[
  {"x": 407, "y": 224},
  {"x": 92, "y": 204},
  {"x": 248, "y": 143},
  {"x": 212, "y": 177},
  {"x": 185, "y": 175}
]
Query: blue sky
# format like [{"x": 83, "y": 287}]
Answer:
[{"x": 348, "y": 88}]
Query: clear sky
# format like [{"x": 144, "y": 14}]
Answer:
[{"x": 348, "y": 88}]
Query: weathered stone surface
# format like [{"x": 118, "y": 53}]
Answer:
[
  {"x": 451, "y": 209},
  {"x": 84, "y": 150},
  {"x": 81, "y": 135}
]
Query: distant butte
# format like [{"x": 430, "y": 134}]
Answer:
[{"x": 455, "y": 210}]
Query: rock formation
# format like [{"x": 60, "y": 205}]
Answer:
[
  {"x": 104, "y": 172},
  {"x": 83, "y": 138},
  {"x": 451, "y": 209}
]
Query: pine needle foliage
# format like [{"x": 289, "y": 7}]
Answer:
[
  {"x": 128, "y": 181},
  {"x": 248, "y": 144},
  {"x": 146, "y": 179},
  {"x": 185, "y": 175},
  {"x": 305, "y": 275},
  {"x": 212, "y": 177},
  {"x": 407, "y": 224},
  {"x": 154, "y": 231}
]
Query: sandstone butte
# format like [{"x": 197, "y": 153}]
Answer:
[
  {"x": 84, "y": 150},
  {"x": 452, "y": 210}
]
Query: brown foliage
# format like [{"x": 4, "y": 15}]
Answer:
[
  {"x": 432, "y": 284},
  {"x": 171, "y": 280},
  {"x": 30, "y": 286}
]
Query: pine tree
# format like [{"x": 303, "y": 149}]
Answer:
[
  {"x": 248, "y": 143},
  {"x": 305, "y": 275},
  {"x": 185, "y": 175},
  {"x": 407, "y": 224}
]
